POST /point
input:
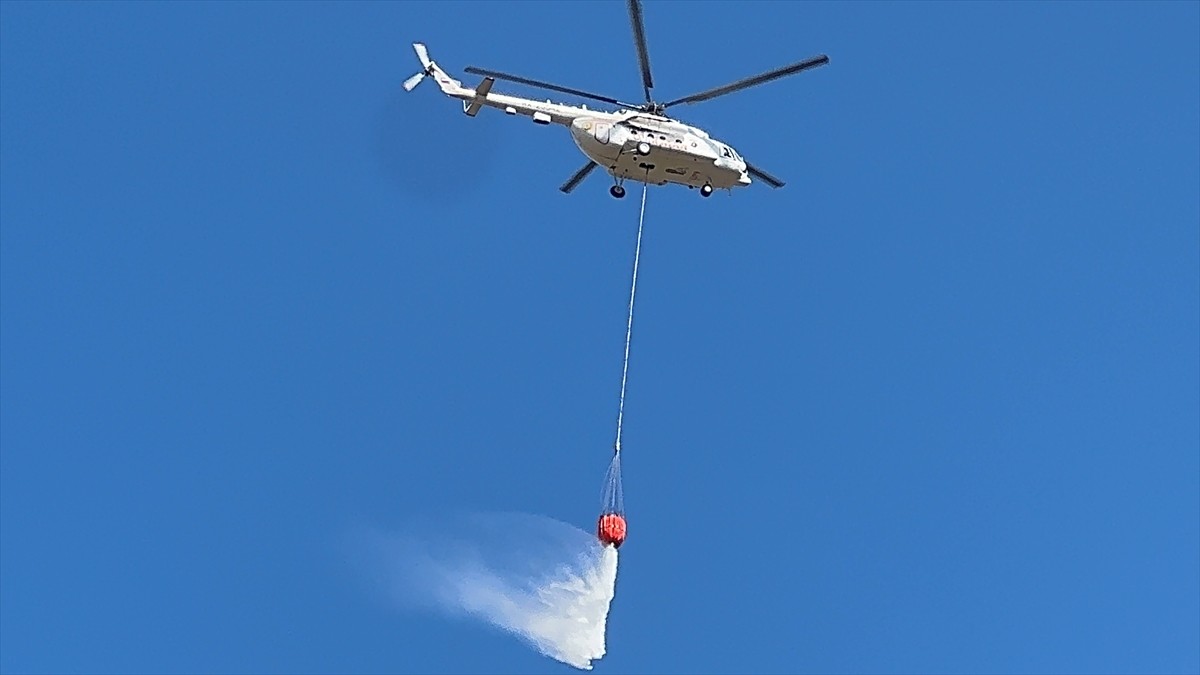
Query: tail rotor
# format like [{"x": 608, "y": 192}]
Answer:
[{"x": 426, "y": 69}]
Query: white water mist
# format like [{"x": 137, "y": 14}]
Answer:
[{"x": 546, "y": 581}]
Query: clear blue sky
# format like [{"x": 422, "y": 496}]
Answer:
[{"x": 932, "y": 407}]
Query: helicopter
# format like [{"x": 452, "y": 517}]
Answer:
[{"x": 637, "y": 141}]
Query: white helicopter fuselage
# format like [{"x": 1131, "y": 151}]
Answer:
[
  {"x": 629, "y": 144},
  {"x": 658, "y": 150}
]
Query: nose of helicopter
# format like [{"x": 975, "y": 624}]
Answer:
[{"x": 744, "y": 179}]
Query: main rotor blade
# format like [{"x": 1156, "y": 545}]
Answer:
[
  {"x": 763, "y": 176},
  {"x": 751, "y": 81},
  {"x": 578, "y": 177},
  {"x": 639, "y": 41},
  {"x": 544, "y": 85}
]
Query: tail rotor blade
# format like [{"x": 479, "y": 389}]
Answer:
[
  {"x": 413, "y": 81},
  {"x": 422, "y": 54}
]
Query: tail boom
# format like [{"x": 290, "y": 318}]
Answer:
[{"x": 475, "y": 99}]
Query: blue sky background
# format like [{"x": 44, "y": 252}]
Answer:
[{"x": 932, "y": 407}]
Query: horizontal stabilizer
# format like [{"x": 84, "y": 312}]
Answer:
[{"x": 472, "y": 107}]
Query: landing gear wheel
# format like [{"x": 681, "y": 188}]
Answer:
[
  {"x": 616, "y": 191},
  {"x": 706, "y": 190},
  {"x": 643, "y": 148}
]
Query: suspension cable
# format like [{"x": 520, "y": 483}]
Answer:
[{"x": 629, "y": 323}]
